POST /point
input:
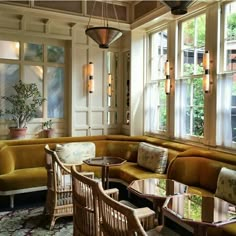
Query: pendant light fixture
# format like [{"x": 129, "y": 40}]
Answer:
[
  {"x": 178, "y": 7},
  {"x": 103, "y": 35}
]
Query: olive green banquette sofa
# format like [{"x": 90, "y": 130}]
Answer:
[{"x": 22, "y": 162}]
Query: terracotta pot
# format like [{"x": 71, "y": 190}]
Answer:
[
  {"x": 17, "y": 133},
  {"x": 48, "y": 133}
]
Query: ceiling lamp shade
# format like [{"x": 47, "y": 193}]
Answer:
[
  {"x": 178, "y": 7},
  {"x": 103, "y": 35}
]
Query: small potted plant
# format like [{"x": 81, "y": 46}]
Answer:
[
  {"x": 21, "y": 107},
  {"x": 47, "y": 128}
]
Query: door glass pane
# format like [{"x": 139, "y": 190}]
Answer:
[
  {"x": 9, "y": 49},
  {"x": 34, "y": 74},
  {"x": 55, "y": 90},
  {"x": 9, "y": 75},
  {"x": 33, "y": 52},
  {"x": 55, "y": 54}
]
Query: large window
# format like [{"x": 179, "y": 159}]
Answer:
[
  {"x": 226, "y": 83},
  {"x": 156, "y": 99},
  {"x": 189, "y": 93},
  {"x": 42, "y": 64}
]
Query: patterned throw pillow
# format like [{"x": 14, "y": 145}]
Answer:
[
  {"x": 226, "y": 185},
  {"x": 75, "y": 153},
  {"x": 152, "y": 157}
]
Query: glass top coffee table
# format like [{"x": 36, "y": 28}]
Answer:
[
  {"x": 195, "y": 213},
  {"x": 157, "y": 190},
  {"x": 105, "y": 162}
]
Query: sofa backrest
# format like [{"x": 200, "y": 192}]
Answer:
[
  {"x": 200, "y": 168},
  {"x": 17, "y": 154}
]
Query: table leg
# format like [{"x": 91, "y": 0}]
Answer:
[
  {"x": 200, "y": 230},
  {"x": 157, "y": 206},
  {"x": 105, "y": 177}
]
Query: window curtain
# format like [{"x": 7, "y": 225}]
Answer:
[
  {"x": 150, "y": 108},
  {"x": 180, "y": 108},
  {"x": 223, "y": 116}
]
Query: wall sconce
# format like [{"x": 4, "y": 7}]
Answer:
[
  {"x": 167, "y": 74},
  {"x": 90, "y": 77},
  {"x": 206, "y": 77},
  {"x": 109, "y": 89}
]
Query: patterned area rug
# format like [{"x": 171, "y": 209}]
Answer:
[{"x": 31, "y": 221}]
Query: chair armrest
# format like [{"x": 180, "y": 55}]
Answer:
[
  {"x": 88, "y": 174},
  {"x": 113, "y": 193},
  {"x": 146, "y": 217}
]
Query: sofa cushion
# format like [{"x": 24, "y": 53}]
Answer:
[
  {"x": 226, "y": 185},
  {"x": 152, "y": 157},
  {"x": 75, "y": 153}
]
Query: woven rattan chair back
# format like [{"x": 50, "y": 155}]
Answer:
[
  {"x": 85, "y": 202},
  {"x": 117, "y": 219},
  {"x": 59, "y": 194}
]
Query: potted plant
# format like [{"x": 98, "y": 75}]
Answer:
[
  {"x": 21, "y": 107},
  {"x": 47, "y": 128}
]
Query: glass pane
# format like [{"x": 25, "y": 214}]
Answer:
[
  {"x": 198, "y": 121},
  {"x": 201, "y": 30},
  {"x": 158, "y": 54},
  {"x": 33, "y": 52},
  {"x": 112, "y": 118},
  {"x": 188, "y": 33},
  {"x": 188, "y": 68},
  {"x": 230, "y": 45},
  {"x": 198, "y": 110},
  {"x": 34, "y": 74},
  {"x": 55, "y": 78},
  {"x": 187, "y": 85},
  {"x": 231, "y": 21},
  {"x": 233, "y": 109},
  {"x": 198, "y": 94},
  {"x": 162, "y": 118},
  {"x": 199, "y": 66},
  {"x": 162, "y": 97},
  {"x": 9, "y": 50},
  {"x": 55, "y": 54},
  {"x": 188, "y": 117},
  {"x": 9, "y": 75}
]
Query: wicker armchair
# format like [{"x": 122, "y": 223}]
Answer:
[
  {"x": 85, "y": 202},
  {"x": 59, "y": 194},
  {"x": 86, "y": 209},
  {"x": 118, "y": 219}
]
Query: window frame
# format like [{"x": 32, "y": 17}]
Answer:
[
  {"x": 179, "y": 73},
  {"x": 157, "y": 80}
]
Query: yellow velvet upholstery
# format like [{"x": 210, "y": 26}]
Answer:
[
  {"x": 24, "y": 178},
  {"x": 28, "y": 156},
  {"x": 200, "y": 169}
]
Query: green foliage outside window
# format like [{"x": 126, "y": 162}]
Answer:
[{"x": 231, "y": 29}]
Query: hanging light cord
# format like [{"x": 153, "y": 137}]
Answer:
[
  {"x": 94, "y": 4},
  {"x": 104, "y": 13},
  {"x": 114, "y": 8}
]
